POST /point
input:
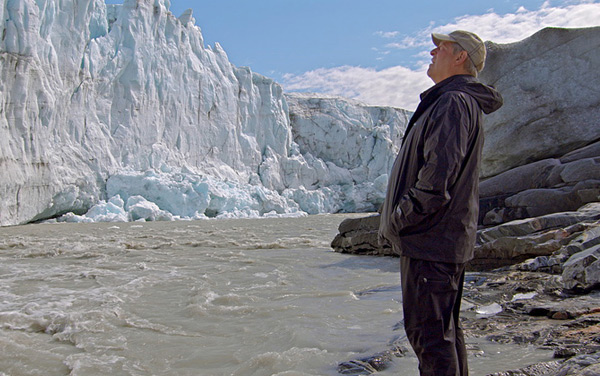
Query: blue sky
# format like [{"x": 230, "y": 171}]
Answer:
[{"x": 375, "y": 51}]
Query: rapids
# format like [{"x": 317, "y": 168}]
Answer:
[{"x": 214, "y": 297}]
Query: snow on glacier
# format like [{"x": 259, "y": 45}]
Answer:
[{"x": 119, "y": 112}]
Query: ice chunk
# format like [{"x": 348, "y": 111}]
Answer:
[{"x": 141, "y": 209}]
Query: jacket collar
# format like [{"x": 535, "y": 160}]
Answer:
[{"x": 429, "y": 96}]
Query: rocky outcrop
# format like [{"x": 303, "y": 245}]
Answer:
[
  {"x": 542, "y": 148},
  {"x": 549, "y": 240},
  {"x": 359, "y": 236},
  {"x": 564, "y": 242}
]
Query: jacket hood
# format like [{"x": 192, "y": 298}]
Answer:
[{"x": 488, "y": 98}]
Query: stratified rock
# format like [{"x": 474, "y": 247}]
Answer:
[
  {"x": 548, "y": 111},
  {"x": 530, "y": 176},
  {"x": 542, "y": 187},
  {"x": 546, "y": 241}
]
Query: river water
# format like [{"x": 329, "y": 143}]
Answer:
[{"x": 215, "y": 297}]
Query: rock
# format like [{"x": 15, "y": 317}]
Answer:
[
  {"x": 530, "y": 176},
  {"x": 549, "y": 239},
  {"x": 540, "y": 369},
  {"x": 542, "y": 243},
  {"x": 378, "y": 361},
  {"x": 581, "y": 365},
  {"x": 582, "y": 270},
  {"x": 543, "y": 187},
  {"x": 589, "y": 151},
  {"x": 547, "y": 112},
  {"x": 360, "y": 236},
  {"x": 373, "y": 363},
  {"x": 536, "y": 202},
  {"x": 593, "y": 370}
]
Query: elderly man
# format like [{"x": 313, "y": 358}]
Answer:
[{"x": 431, "y": 208}]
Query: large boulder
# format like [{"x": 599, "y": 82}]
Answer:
[
  {"x": 582, "y": 270},
  {"x": 551, "y": 102}
]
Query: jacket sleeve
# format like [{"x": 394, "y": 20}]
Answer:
[{"x": 447, "y": 137}]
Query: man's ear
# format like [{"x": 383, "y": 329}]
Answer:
[{"x": 461, "y": 57}]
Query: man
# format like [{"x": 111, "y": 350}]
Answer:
[{"x": 431, "y": 208}]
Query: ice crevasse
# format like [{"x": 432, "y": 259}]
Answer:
[{"x": 120, "y": 112}]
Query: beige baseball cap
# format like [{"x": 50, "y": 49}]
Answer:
[{"x": 468, "y": 41}]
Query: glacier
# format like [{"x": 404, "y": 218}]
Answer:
[{"x": 120, "y": 112}]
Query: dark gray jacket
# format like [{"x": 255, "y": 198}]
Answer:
[{"x": 432, "y": 202}]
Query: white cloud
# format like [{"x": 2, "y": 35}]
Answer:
[
  {"x": 387, "y": 34},
  {"x": 409, "y": 42},
  {"x": 396, "y": 86},
  {"x": 400, "y": 86},
  {"x": 513, "y": 27}
]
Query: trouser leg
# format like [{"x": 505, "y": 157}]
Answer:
[
  {"x": 431, "y": 294},
  {"x": 461, "y": 349}
]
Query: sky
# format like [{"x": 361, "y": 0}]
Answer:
[{"x": 375, "y": 51}]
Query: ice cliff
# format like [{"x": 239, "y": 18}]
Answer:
[{"x": 119, "y": 112}]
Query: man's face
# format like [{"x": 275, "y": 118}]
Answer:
[{"x": 442, "y": 62}]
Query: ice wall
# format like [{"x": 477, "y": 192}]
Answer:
[{"x": 103, "y": 104}]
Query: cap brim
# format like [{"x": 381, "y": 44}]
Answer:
[{"x": 439, "y": 38}]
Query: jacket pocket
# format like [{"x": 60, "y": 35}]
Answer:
[
  {"x": 437, "y": 284},
  {"x": 439, "y": 277}
]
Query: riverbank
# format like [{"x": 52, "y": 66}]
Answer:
[
  {"x": 533, "y": 282},
  {"x": 508, "y": 306}
]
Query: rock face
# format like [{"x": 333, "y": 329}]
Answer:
[
  {"x": 551, "y": 103},
  {"x": 542, "y": 149}
]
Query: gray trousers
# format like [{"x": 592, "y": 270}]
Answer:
[{"x": 431, "y": 295}]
